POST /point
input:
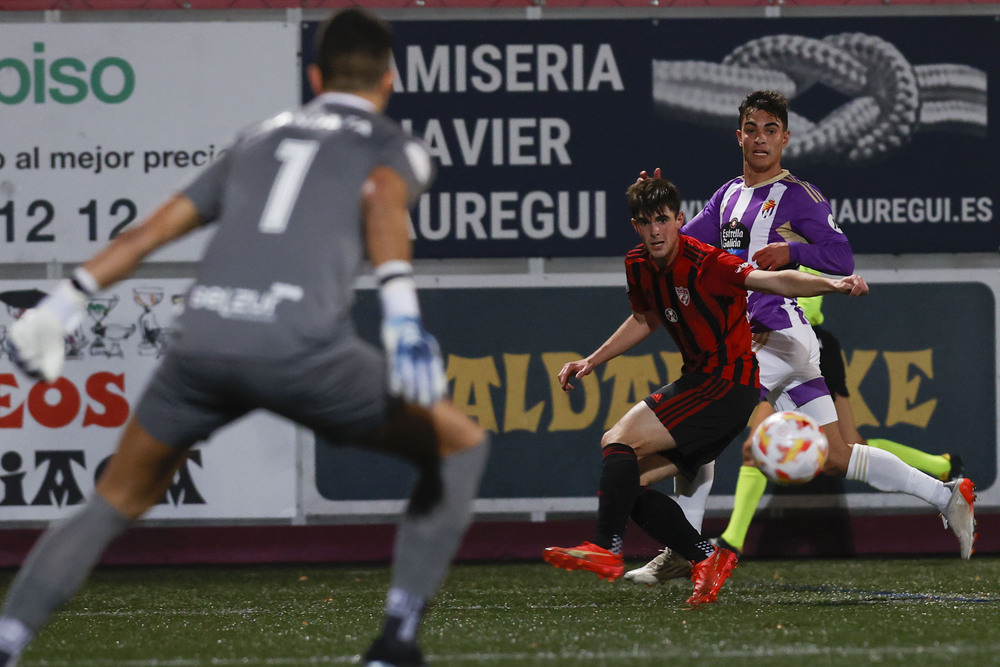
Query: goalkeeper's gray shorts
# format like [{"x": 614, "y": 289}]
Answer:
[{"x": 339, "y": 392}]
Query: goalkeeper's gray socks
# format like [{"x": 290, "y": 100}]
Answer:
[
  {"x": 56, "y": 567},
  {"x": 403, "y": 613},
  {"x": 426, "y": 544}
]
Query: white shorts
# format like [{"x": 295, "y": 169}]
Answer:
[{"x": 790, "y": 378}]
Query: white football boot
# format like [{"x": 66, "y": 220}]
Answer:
[{"x": 665, "y": 566}]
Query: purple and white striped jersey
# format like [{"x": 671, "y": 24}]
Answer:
[{"x": 742, "y": 220}]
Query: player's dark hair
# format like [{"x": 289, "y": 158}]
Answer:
[
  {"x": 770, "y": 101},
  {"x": 652, "y": 194},
  {"x": 353, "y": 51}
]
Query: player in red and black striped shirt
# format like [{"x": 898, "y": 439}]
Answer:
[
  {"x": 699, "y": 294},
  {"x": 701, "y": 300}
]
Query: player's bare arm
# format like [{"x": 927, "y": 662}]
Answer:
[
  {"x": 416, "y": 370},
  {"x": 386, "y": 215},
  {"x": 633, "y": 330},
  {"x": 36, "y": 339},
  {"x": 173, "y": 219},
  {"x": 791, "y": 283}
]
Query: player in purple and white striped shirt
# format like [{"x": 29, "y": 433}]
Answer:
[{"x": 774, "y": 220}]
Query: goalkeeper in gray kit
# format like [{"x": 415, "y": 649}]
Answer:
[{"x": 297, "y": 203}]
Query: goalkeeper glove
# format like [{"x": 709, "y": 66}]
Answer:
[
  {"x": 416, "y": 371},
  {"x": 37, "y": 339}
]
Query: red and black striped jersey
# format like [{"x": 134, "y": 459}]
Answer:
[{"x": 702, "y": 301}]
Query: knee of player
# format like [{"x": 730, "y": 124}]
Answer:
[
  {"x": 614, "y": 436},
  {"x": 470, "y": 438},
  {"x": 455, "y": 431}
]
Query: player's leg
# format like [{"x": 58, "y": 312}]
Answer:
[
  {"x": 939, "y": 466},
  {"x": 703, "y": 411},
  {"x": 643, "y": 434},
  {"x": 886, "y": 472},
  {"x": 449, "y": 451},
  {"x": 750, "y": 487},
  {"x": 880, "y": 469},
  {"x": 638, "y": 434},
  {"x": 790, "y": 379},
  {"x": 427, "y": 540},
  {"x": 137, "y": 476},
  {"x": 691, "y": 495},
  {"x": 341, "y": 393},
  {"x": 944, "y": 467},
  {"x": 703, "y": 421},
  {"x": 174, "y": 412},
  {"x": 807, "y": 393},
  {"x": 831, "y": 365},
  {"x": 620, "y": 496},
  {"x": 667, "y": 565}
]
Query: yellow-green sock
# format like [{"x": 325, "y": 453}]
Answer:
[
  {"x": 750, "y": 487},
  {"x": 935, "y": 465}
]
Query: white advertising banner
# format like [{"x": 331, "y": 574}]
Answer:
[
  {"x": 55, "y": 437},
  {"x": 100, "y": 122}
]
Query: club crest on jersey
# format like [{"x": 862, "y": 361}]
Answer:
[
  {"x": 670, "y": 314},
  {"x": 735, "y": 237},
  {"x": 768, "y": 208},
  {"x": 684, "y": 295}
]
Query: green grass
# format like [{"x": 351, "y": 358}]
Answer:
[{"x": 814, "y": 612}]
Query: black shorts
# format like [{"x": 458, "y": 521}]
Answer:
[
  {"x": 703, "y": 413},
  {"x": 831, "y": 362}
]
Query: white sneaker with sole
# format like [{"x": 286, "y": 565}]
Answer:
[
  {"x": 959, "y": 515},
  {"x": 665, "y": 566}
]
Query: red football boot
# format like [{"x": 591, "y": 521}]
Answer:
[
  {"x": 587, "y": 556},
  {"x": 709, "y": 574}
]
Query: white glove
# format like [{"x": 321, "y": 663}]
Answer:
[
  {"x": 416, "y": 371},
  {"x": 37, "y": 339}
]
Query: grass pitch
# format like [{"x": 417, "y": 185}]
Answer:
[{"x": 816, "y": 612}]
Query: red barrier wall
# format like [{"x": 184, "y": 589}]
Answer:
[{"x": 799, "y": 534}]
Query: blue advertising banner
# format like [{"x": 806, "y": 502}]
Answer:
[
  {"x": 911, "y": 380},
  {"x": 539, "y": 126}
]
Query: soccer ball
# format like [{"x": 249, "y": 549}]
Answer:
[{"x": 789, "y": 448}]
